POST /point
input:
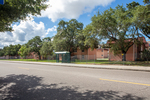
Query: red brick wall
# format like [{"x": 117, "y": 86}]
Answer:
[
  {"x": 102, "y": 53},
  {"x": 113, "y": 57},
  {"x": 105, "y": 53},
  {"x": 79, "y": 53},
  {"x": 129, "y": 54},
  {"x": 92, "y": 54}
]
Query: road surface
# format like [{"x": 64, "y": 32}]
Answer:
[{"x": 20, "y": 81}]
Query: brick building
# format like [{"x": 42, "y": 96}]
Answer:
[
  {"x": 133, "y": 53},
  {"x": 90, "y": 54}
]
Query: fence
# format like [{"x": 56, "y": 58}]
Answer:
[
  {"x": 10, "y": 57},
  {"x": 131, "y": 59}
]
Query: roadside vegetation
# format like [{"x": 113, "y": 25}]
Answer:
[
  {"x": 32, "y": 60},
  {"x": 92, "y": 62},
  {"x": 115, "y": 25}
]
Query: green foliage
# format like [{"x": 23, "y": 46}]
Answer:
[
  {"x": 34, "y": 45},
  {"x": 119, "y": 25},
  {"x": 141, "y": 18},
  {"x": 46, "y": 49},
  {"x": 146, "y": 54},
  {"x": 68, "y": 36},
  {"x": 23, "y": 51},
  {"x": 37, "y": 46},
  {"x": 91, "y": 39},
  {"x": 1, "y": 52},
  {"x": 47, "y": 39},
  {"x": 16, "y": 10},
  {"x": 11, "y": 50},
  {"x": 146, "y": 1}
]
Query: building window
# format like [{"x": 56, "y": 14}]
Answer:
[
  {"x": 102, "y": 55},
  {"x": 82, "y": 50},
  {"x": 102, "y": 50},
  {"x": 82, "y": 56}
]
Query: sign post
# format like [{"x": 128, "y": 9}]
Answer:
[{"x": 1, "y": 2}]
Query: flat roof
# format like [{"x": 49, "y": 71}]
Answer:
[{"x": 62, "y": 52}]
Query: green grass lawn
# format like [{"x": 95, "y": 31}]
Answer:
[
  {"x": 97, "y": 62},
  {"x": 30, "y": 60}
]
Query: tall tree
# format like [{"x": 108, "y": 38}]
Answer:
[
  {"x": 16, "y": 10},
  {"x": 67, "y": 38},
  {"x": 91, "y": 39},
  {"x": 47, "y": 47},
  {"x": 23, "y": 51},
  {"x": 117, "y": 26},
  {"x": 141, "y": 17},
  {"x": 35, "y": 45},
  {"x": 1, "y": 52},
  {"x": 11, "y": 50}
]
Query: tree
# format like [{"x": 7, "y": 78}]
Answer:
[
  {"x": 46, "y": 49},
  {"x": 67, "y": 37},
  {"x": 146, "y": 1},
  {"x": 91, "y": 39},
  {"x": 34, "y": 45},
  {"x": 47, "y": 39},
  {"x": 16, "y": 49},
  {"x": 11, "y": 50},
  {"x": 16, "y": 10},
  {"x": 146, "y": 54},
  {"x": 1, "y": 52},
  {"x": 117, "y": 26},
  {"x": 23, "y": 51},
  {"x": 141, "y": 17}
]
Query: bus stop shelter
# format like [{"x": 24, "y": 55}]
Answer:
[{"x": 63, "y": 56}]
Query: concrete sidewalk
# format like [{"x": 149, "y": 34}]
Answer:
[{"x": 115, "y": 67}]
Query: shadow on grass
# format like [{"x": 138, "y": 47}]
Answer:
[{"x": 24, "y": 87}]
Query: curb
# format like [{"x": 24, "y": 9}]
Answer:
[{"x": 132, "y": 68}]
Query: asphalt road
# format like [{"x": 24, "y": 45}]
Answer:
[{"x": 20, "y": 81}]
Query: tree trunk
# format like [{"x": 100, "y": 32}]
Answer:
[
  {"x": 124, "y": 56},
  {"x": 39, "y": 57}
]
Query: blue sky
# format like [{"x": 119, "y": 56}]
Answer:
[{"x": 46, "y": 24}]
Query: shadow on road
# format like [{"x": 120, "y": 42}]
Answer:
[{"x": 24, "y": 87}]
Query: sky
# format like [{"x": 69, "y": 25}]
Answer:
[{"x": 46, "y": 24}]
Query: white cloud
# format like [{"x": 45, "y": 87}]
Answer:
[
  {"x": 71, "y": 8},
  {"x": 23, "y": 32}
]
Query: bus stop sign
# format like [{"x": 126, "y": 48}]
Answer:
[{"x": 1, "y": 2}]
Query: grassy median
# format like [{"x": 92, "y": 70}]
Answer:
[
  {"x": 96, "y": 62},
  {"x": 54, "y": 61}
]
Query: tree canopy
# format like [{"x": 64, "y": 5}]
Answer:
[
  {"x": 118, "y": 25},
  {"x": 141, "y": 18},
  {"x": 34, "y": 45},
  {"x": 16, "y": 10},
  {"x": 69, "y": 36},
  {"x": 23, "y": 51},
  {"x": 47, "y": 47},
  {"x": 11, "y": 50}
]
